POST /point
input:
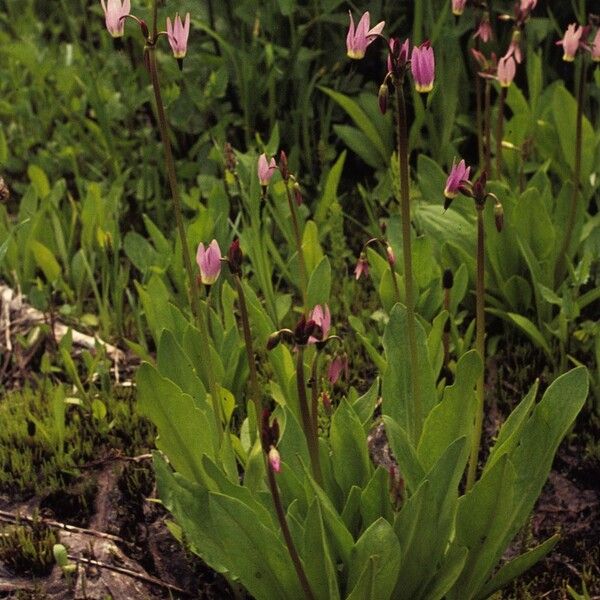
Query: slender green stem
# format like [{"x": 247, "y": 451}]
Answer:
[
  {"x": 314, "y": 395},
  {"x": 500, "y": 132},
  {"x": 309, "y": 433},
  {"x": 487, "y": 125},
  {"x": 561, "y": 260},
  {"x": 298, "y": 239},
  {"x": 402, "y": 140},
  {"x": 287, "y": 536},
  {"x": 446, "y": 334},
  {"x": 480, "y": 347},
  {"x": 192, "y": 287},
  {"x": 254, "y": 388},
  {"x": 478, "y": 111}
]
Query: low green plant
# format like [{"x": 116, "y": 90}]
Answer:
[{"x": 27, "y": 548}]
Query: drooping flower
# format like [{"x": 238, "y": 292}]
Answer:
[
  {"x": 321, "y": 315},
  {"x": 336, "y": 367},
  {"x": 458, "y": 7},
  {"x": 362, "y": 267},
  {"x": 422, "y": 65},
  {"x": 209, "y": 262},
  {"x": 115, "y": 12},
  {"x": 178, "y": 33},
  {"x": 266, "y": 169},
  {"x": 528, "y": 5},
  {"x": 360, "y": 37},
  {"x": 596, "y": 46},
  {"x": 391, "y": 257},
  {"x": 484, "y": 30},
  {"x": 274, "y": 459},
  {"x": 458, "y": 175},
  {"x": 506, "y": 70},
  {"x": 571, "y": 41}
]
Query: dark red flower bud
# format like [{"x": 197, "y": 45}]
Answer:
[
  {"x": 283, "y": 166},
  {"x": 235, "y": 257},
  {"x": 447, "y": 279}
]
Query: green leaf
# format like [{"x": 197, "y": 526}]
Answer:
[
  {"x": 174, "y": 364},
  {"x": 527, "y": 327},
  {"x": 482, "y": 517},
  {"x": 348, "y": 439},
  {"x": 380, "y": 545},
  {"x": 319, "y": 284},
  {"x": 39, "y": 179},
  {"x": 404, "y": 453},
  {"x": 45, "y": 260},
  {"x": 516, "y": 567},
  {"x": 426, "y": 521},
  {"x": 320, "y": 570},
  {"x": 361, "y": 119},
  {"x": 184, "y": 432},
  {"x": 257, "y": 555},
  {"x": 359, "y": 143},
  {"x": 375, "y": 498},
  {"x": 398, "y": 401},
  {"x": 453, "y": 417},
  {"x": 330, "y": 189}
]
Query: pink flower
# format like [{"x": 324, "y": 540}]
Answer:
[
  {"x": 362, "y": 267},
  {"x": 336, "y": 367},
  {"x": 322, "y": 317},
  {"x": 484, "y": 31},
  {"x": 178, "y": 34},
  {"x": 571, "y": 41},
  {"x": 274, "y": 459},
  {"x": 398, "y": 53},
  {"x": 458, "y": 175},
  {"x": 422, "y": 65},
  {"x": 458, "y": 7},
  {"x": 360, "y": 37},
  {"x": 506, "y": 70},
  {"x": 266, "y": 169},
  {"x": 209, "y": 262},
  {"x": 114, "y": 15},
  {"x": 596, "y": 46},
  {"x": 528, "y": 5}
]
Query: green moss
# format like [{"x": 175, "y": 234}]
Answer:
[
  {"x": 45, "y": 437},
  {"x": 26, "y": 549}
]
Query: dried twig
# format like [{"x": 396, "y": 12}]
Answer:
[{"x": 130, "y": 573}]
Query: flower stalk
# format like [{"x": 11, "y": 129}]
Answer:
[
  {"x": 307, "y": 423},
  {"x": 150, "y": 54},
  {"x": 500, "y": 131},
  {"x": 402, "y": 141},
  {"x": 562, "y": 255},
  {"x": 479, "y": 346},
  {"x": 255, "y": 393}
]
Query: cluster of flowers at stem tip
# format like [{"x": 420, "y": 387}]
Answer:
[
  {"x": 209, "y": 259},
  {"x": 458, "y": 182},
  {"x": 362, "y": 264},
  {"x": 575, "y": 38},
  {"x": 422, "y": 59},
  {"x": 177, "y": 32},
  {"x": 312, "y": 330},
  {"x": 266, "y": 168},
  {"x": 269, "y": 437}
]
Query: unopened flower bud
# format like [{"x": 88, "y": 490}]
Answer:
[
  {"x": 499, "y": 216},
  {"x": 297, "y": 194},
  {"x": 235, "y": 257},
  {"x": 273, "y": 340},
  {"x": 391, "y": 257},
  {"x": 447, "y": 279},
  {"x": 384, "y": 94},
  {"x": 274, "y": 459},
  {"x": 283, "y": 166}
]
